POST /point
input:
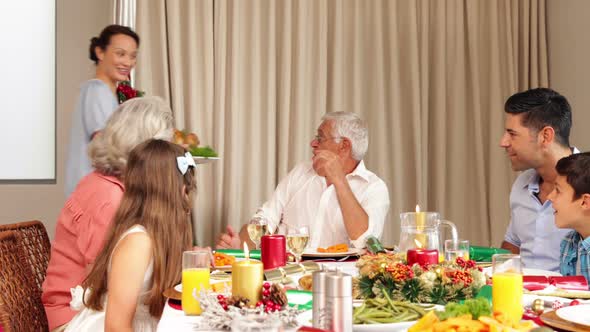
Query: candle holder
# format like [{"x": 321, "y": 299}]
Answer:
[{"x": 422, "y": 230}]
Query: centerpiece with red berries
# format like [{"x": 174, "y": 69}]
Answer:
[
  {"x": 437, "y": 283},
  {"x": 220, "y": 309}
]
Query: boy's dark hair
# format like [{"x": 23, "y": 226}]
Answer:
[
  {"x": 576, "y": 169},
  {"x": 543, "y": 107},
  {"x": 104, "y": 39}
]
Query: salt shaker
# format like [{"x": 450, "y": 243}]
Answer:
[
  {"x": 319, "y": 299},
  {"x": 338, "y": 302}
]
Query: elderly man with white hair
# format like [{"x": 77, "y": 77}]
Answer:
[{"x": 334, "y": 194}]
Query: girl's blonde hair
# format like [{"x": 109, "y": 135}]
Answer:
[
  {"x": 157, "y": 196},
  {"x": 133, "y": 122}
]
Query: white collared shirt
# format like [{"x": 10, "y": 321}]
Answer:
[{"x": 302, "y": 198}]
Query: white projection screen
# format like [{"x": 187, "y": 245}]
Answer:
[{"x": 27, "y": 90}]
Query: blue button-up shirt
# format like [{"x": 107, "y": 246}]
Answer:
[
  {"x": 574, "y": 255},
  {"x": 532, "y": 226}
]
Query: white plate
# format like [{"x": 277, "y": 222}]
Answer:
[
  {"x": 403, "y": 326},
  {"x": 204, "y": 160},
  {"x": 305, "y": 318},
  {"x": 528, "y": 272},
  {"x": 226, "y": 267},
  {"x": 314, "y": 253},
  {"x": 178, "y": 287},
  {"x": 538, "y": 272},
  {"x": 579, "y": 314}
]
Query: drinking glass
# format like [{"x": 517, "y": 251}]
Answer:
[
  {"x": 256, "y": 323},
  {"x": 455, "y": 249},
  {"x": 297, "y": 238},
  {"x": 195, "y": 277},
  {"x": 257, "y": 227},
  {"x": 507, "y": 286}
]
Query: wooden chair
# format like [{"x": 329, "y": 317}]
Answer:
[
  {"x": 21, "y": 308},
  {"x": 34, "y": 242}
]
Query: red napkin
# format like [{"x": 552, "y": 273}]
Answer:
[
  {"x": 311, "y": 329},
  {"x": 533, "y": 283},
  {"x": 534, "y": 317}
]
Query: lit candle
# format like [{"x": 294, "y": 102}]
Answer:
[
  {"x": 420, "y": 223},
  {"x": 422, "y": 256},
  {"x": 247, "y": 277}
]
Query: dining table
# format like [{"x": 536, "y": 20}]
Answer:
[
  {"x": 535, "y": 281},
  {"x": 174, "y": 319}
]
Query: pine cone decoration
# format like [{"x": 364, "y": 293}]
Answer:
[
  {"x": 278, "y": 295},
  {"x": 237, "y": 301}
]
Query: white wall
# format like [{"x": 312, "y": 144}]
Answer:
[{"x": 77, "y": 22}]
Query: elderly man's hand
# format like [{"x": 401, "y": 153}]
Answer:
[
  {"x": 212, "y": 259},
  {"x": 229, "y": 240},
  {"x": 328, "y": 164}
]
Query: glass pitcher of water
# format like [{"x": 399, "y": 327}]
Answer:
[{"x": 422, "y": 230}]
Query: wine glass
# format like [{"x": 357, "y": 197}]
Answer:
[
  {"x": 297, "y": 238},
  {"x": 257, "y": 227}
]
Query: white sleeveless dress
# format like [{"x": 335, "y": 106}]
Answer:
[{"x": 90, "y": 320}]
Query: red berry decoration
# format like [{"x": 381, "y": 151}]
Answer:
[
  {"x": 266, "y": 293},
  {"x": 575, "y": 302},
  {"x": 266, "y": 285},
  {"x": 259, "y": 303},
  {"x": 220, "y": 297},
  {"x": 460, "y": 261},
  {"x": 225, "y": 307}
]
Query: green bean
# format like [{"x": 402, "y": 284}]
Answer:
[{"x": 385, "y": 310}]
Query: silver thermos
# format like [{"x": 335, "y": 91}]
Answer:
[
  {"x": 319, "y": 299},
  {"x": 332, "y": 300}
]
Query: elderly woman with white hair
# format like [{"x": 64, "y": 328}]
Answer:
[
  {"x": 334, "y": 195},
  {"x": 87, "y": 214}
]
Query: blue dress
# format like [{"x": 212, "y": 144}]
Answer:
[{"x": 95, "y": 105}]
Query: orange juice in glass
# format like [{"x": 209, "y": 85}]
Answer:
[
  {"x": 507, "y": 286},
  {"x": 195, "y": 277}
]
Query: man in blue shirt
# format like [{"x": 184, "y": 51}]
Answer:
[
  {"x": 538, "y": 123},
  {"x": 571, "y": 201}
]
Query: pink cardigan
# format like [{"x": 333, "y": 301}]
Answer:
[{"x": 79, "y": 236}]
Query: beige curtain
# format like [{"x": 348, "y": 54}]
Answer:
[{"x": 253, "y": 79}]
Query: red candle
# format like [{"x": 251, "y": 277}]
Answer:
[
  {"x": 273, "y": 251},
  {"x": 421, "y": 256}
]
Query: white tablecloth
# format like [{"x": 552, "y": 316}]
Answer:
[{"x": 175, "y": 320}]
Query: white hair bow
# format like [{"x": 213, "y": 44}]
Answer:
[{"x": 184, "y": 162}]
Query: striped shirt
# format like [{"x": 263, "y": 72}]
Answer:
[{"x": 574, "y": 252}]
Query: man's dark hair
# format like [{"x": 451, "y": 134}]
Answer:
[
  {"x": 576, "y": 169},
  {"x": 543, "y": 107}
]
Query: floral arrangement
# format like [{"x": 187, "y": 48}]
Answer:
[
  {"x": 125, "y": 91},
  {"x": 437, "y": 283},
  {"x": 220, "y": 310}
]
